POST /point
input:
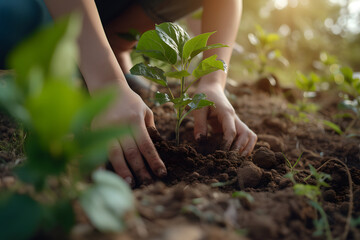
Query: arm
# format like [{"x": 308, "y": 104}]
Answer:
[
  {"x": 222, "y": 17},
  {"x": 100, "y": 69}
]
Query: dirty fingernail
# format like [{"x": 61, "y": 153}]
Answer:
[
  {"x": 161, "y": 172},
  {"x": 243, "y": 154}
]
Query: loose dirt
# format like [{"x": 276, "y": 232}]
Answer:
[{"x": 195, "y": 200}]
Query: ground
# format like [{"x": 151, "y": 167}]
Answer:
[{"x": 195, "y": 200}]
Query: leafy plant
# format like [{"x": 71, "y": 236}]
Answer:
[
  {"x": 170, "y": 44},
  {"x": 351, "y": 95},
  {"x": 266, "y": 51},
  {"x": 313, "y": 193},
  {"x": 60, "y": 149},
  {"x": 292, "y": 172}
]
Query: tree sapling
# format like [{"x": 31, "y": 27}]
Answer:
[{"x": 170, "y": 44}]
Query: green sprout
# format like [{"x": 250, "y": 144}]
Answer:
[
  {"x": 171, "y": 44},
  {"x": 292, "y": 172},
  {"x": 266, "y": 51},
  {"x": 313, "y": 193}
]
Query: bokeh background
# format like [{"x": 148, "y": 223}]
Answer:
[{"x": 310, "y": 35}]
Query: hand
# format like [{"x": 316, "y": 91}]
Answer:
[
  {"x": 222, "y": 118},
  {"x": 130, "y": 152}
]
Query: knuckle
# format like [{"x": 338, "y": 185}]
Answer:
[{"x": 131, "y": 153}]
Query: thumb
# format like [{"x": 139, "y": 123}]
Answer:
[{"x": 200, "y": 122}]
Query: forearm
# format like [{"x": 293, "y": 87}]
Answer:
[
  {"x": 97, "y": 61},
  {"x": 224, "y": 19}
]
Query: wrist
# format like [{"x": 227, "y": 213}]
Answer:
[{"x": 215, "y": 79}]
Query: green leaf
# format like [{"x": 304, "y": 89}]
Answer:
[
  {"x": 12, "y": 100},
  {"x": 348, "y": 74},
  {"x": 181, "y": 101},
  {"x": 53, "y": 110},
  {"x": 195, "y": 44},
  {"x": 107, "y": 201},
  {"x": 333, "y": 126},
  {"x": 212, "y": 46},
  {"x": 199, "y": 101},
  {"x": 309, "y": 191},
  {"x": 242, "y": 194},
  {"x": 151, "y": 45},
  {"x": 154, "y": 74},
  {"x": 173, "y": 35},
  {"x": 177, "y": 74},
  {"x": 20, "y": 217},
  {"x": 161, "y": 98},
  {"x": 52, "y": 51},
  {"x": 91, "y": 108},
  {"x": 209, "y": 65},
  {"x": 272, "y": 37}
]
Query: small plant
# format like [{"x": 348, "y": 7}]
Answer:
[
  {"x": 313, "y": 193},
  {"x": 60, "y": 149},
  {"x": 351, "y": 95},
  {"x": 170, "y": 44},
  {"x": 292, "y": 172},
  {"x": 266, "y": 51}
]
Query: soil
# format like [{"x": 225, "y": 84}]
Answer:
[{"x": 195, "y": 200}]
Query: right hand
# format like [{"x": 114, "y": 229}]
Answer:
[{"x": 130, "y": 151}]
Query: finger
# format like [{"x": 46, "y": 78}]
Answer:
[
  {"x": 134, "y": 159},
  {"x": 149, "y": 152},
  {"x": 117, "y": 160},
  {"x": 200, "y": 122},
  {"x": 242, "y": 136},
  {"x": 250, "y": 145},
  {"x": 228, "y": 125},
  {"x": 149, "y": 118}
]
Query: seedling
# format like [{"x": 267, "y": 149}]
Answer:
[
  {"x": 266, "y": 51},
  {"x": 313, "y": 193},
  {"x": 170, "y": 44},
  {"x": 292, "y": 172},
  {"x": 351, "y": 95}
]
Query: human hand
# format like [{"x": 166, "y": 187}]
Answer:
[
  {"x": 129, "y": 153},
  {"x": 222, "y": 118}
]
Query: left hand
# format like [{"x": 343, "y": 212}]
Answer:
[{"x": 222, "y": 118}]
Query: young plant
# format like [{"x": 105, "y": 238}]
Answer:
[
  {"x": 60, "y": 149},
  {"x": 313, "y": 193},
  {"x": 292, "y": 172},
  {"x": 351, "y": 95},
  {"x": 266, "y": 51},
  {"x": 170, "y": 44}
]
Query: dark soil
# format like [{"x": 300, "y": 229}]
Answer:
[{"x": 195, "y": 200}]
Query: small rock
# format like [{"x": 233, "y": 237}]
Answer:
[
  {"x": 249, "y": 175},
  {"x": 264, "y": 158}
]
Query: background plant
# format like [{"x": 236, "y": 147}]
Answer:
[
  {"x": 170, "y": 44},
  {"x": 266, "y": 52},
  {"x": 60, "y": 149}
]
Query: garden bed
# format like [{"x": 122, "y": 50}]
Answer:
[{"x": 197, "y": 201}]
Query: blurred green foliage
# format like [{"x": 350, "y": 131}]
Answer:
[{"x": 61, "y": 150}]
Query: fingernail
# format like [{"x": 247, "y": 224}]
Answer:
[
  {"x": 244, "y": 154},
  {"x": 129, "y": 181},
  {"x": 161, "y": 172}
]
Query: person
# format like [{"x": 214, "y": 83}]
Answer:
[{"x": 105, "y": 60}]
